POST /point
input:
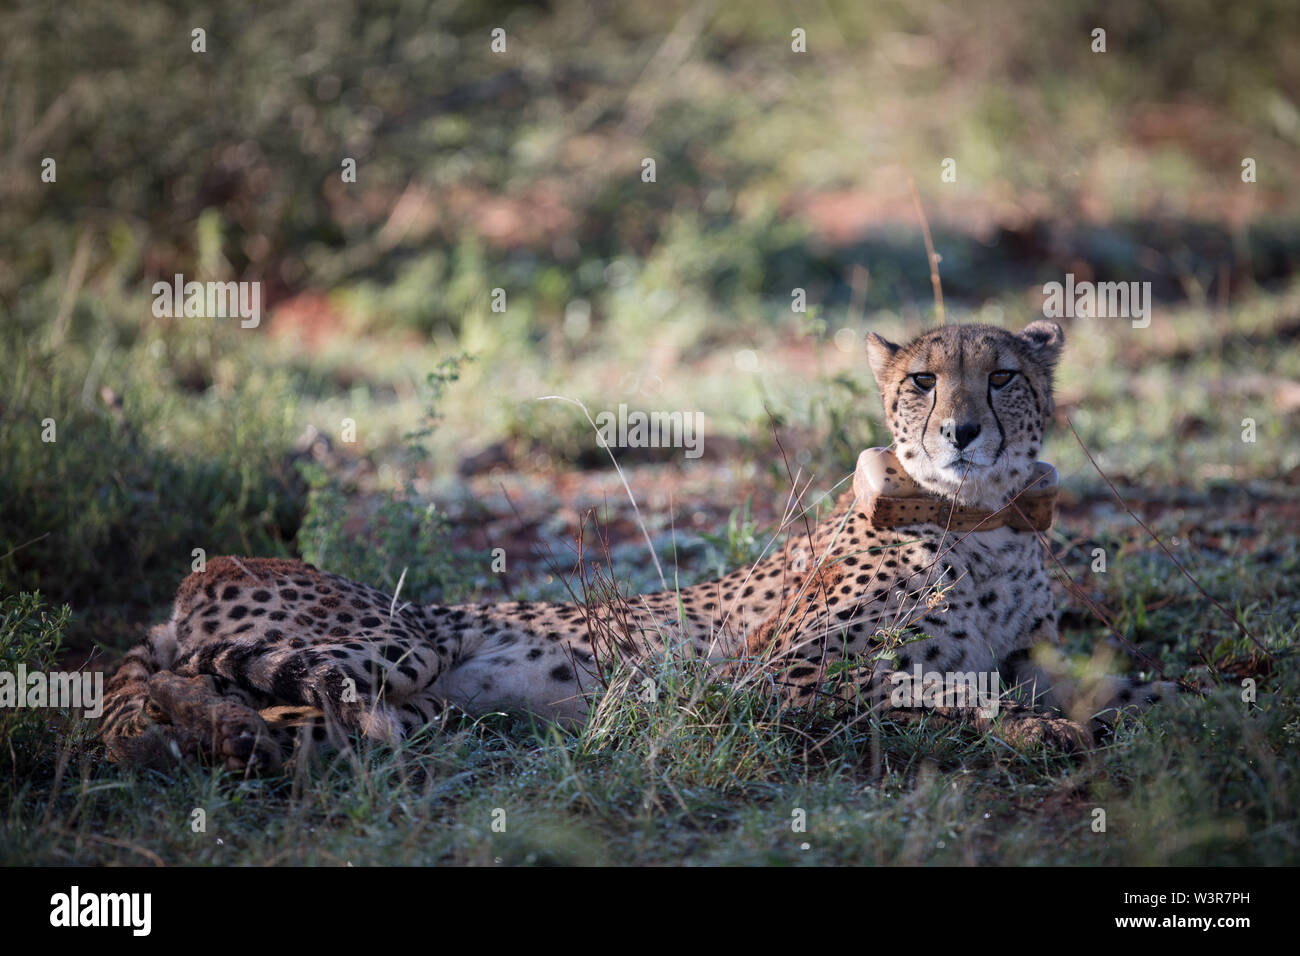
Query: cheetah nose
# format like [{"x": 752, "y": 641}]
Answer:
[{"x": 965, "y": 434}]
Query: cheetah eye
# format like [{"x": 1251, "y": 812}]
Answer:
[
  {"x": 1001, "y": 377},
  {"x": 924, "y": 380}
]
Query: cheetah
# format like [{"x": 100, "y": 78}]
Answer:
[{"x": 929, "y": 561}]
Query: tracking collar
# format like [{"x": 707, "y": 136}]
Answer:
[{"x": 889, "y": 498}]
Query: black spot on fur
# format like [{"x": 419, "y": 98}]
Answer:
[{"x": 289, "y": 682}]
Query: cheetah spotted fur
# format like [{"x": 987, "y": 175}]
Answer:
[{"x": 257, "y": 647}]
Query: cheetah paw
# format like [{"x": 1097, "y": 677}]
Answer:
[
  {"x": 1059, "y": 734},
  {"x": 200, "y": 722}
]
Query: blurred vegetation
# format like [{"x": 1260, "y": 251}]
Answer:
[{"x": 523, "y": 165}]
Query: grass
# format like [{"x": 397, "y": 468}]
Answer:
[
  {"x": 775, "y": 174},
  {"x": 721, "y": 781},
  {"x": 714, "y": 774}
]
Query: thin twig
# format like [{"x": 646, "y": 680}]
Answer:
[
  {"x": 1197, "y": 584},
  {"x": 19, "y": 547},
  {"x": 623, "y": 478},
  {"x": 929, "y": 252},
  {"x": 1077, "y": 590}
]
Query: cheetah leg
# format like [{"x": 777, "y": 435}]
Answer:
[
  {"x": 801, "y": 682},
  {"x": 298, "y": 677},
  {"x": 198, "y": 720},
  {"x": 295, "y": 728},
  {"x": 1019, "y": 725},
  {"x": 1015, "y": 722},
  {"x": 1040, "y": 677},
  {"x": 124, "y": 721},
  {"x": 154, "y": 718},
  {"x": 132, "y": 725}
]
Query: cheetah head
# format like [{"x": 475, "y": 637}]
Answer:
[{"x": 967, "y": 406}]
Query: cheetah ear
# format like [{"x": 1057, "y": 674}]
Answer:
[
  {"x": 880, "y": 352},
  {"x": 1045, "y": 340}
]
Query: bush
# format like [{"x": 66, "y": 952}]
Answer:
[
  {"x": 106, "y": 516},
  {"x": 31, "y": 636},
  {"x": 397, "y": 538}
]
